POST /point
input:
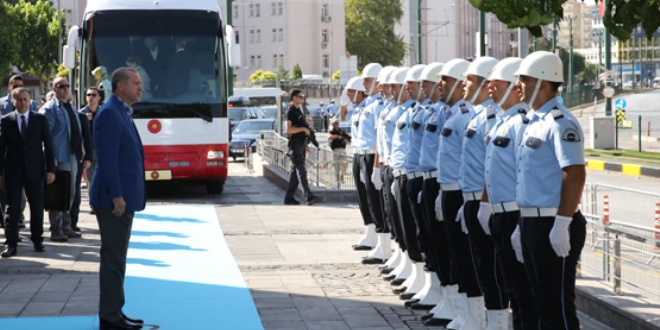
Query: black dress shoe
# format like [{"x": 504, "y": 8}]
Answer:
[
  {"x": 75, "y": 228},
  {"x": 397, "y": 281},
  {"x": 418, "y": 306},
  {"x": 386, "y": 270},
  {"x": 137, "y": 321},
  {"x": 406, "y": 296},
  {"x": 361, "y": 247},
  {"x": 38, "y": 247},
  {"x": 312, "y": 200},
  {"x": 427, "y": 316},
  {"x": 291, "y": 202},
  {"x": 389, "y": 277},
  {"x": 399, "y": 290},
  {"x": 372, "y": 261},
  {"x": 432, "y": 322},
  {"x": 121, "y": 324},
  {"x": 8, "y": 252},
  {"x": 410, "y": 302},
  {"x": 21, "y": 224}
]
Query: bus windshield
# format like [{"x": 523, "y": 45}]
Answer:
[{"x": 178, "y": 54}]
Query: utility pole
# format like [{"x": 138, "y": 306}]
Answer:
[
  {"x": 59, "y": 35},
  {"x": 419, "y": 32},
  {"x": 230, "y": 70},
  {"x": 554, "y": 35},
  {"x": 570, "y": 55},
  {"x": 482, "y": 33},
  {"x": 608, "y": 65}
]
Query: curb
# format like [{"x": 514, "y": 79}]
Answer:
[
  {"x": 628, "y": 169},
  {"x": 324, "y": 195}
]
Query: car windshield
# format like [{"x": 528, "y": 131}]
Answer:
[
  {"x": 237, "y": 114},
  {"x": 252, "y": 127},
  {"x": 270, "y": 113}
]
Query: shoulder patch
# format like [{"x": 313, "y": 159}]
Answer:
[
  {"x": 490, "y": 114},
  {"x": 571, "y": 135},
  {"x": 464, "y": 109},
  {"x": 556, "y": 114},
  {"x": 522, "y": 110},
  {"x": 524, "y": 118},
  {"x": 380, "y": 101}
]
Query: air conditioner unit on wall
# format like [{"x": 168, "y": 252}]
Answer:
[{"x": 326, "y": 18}]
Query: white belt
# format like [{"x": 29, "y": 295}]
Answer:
[
  {"x": 398, "y": 173},
  {"x": 449, "y": 187},
  {"x": 537, "y": 212},
  {"x": 430, "y": 174},
  {"x": 414, "y": 174},
  {"x": 505, "y": 207},
  {"x": 386, "y": 162},
  {"x": 472, "y": 196},
  {"x": 365, "y": 151}
]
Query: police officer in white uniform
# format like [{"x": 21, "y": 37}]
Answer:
[
  {"x": 551, "y": 176},
  {"x": 500, "y": 194}
]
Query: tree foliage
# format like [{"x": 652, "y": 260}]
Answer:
[
  {"x": 62, "y": 71},
  {"x": 261, "y": 76},
  {"x": 336, "y": 76},
  {"x": 589, "y": 73},
  {"x": 37, "y": 36},
  {"x": 8, "y": 44},
  {"x": 622, "y": 16},
  {"x": 283, "y": 73},
  {"x": 370, "y": 31},
  {"x": 297, "y": 72},
  {"x": 578, "y": 61}
]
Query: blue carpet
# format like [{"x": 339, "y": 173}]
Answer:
[{"x": 180, "y": 275}]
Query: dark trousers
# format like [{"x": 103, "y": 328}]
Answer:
[
  {"x": 298, "y": 174},
  {"x": 373, "y": 196},
  {"x": 489, "y": 273},
  {"x": 34, "y": 191},
  {"x": 407, "y": 221},
  {"x": 516, "y": 282},
  {"x": 552, "y": 278},
  {"x": 3, "y": 206},
  {"x": 393, "y": 212},
  {"x": 115, "y": 234},
  {"x": 459, "y": 244},
  {"x": 438, "y": 248},
  {"x": 385, "y": 206},
  {"x": 75, "y": 207},
  {"x": 363, "y": 201},
  {"x": 414, "y": 186}
]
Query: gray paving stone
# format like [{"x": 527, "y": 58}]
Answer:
[
  {"x": 283, "y": 325},
  {"x": 364, "y": 321},
  {"x": 323, "y": 325},
  {"x": 43, "y": 308},
  {"x": 319, "y": 314}
]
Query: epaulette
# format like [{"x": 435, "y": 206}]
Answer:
[
  {"x": 490, "y": 114},
  {"x": 380, "y": 101},
  {"x": 556, "y": 113},
  {"x": 464, "y": 108},
  {"x": 413, "y": 104},
  {"x": 522, "y": 110}
]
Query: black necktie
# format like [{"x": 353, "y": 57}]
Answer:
[{"x": 23, "y": 128}]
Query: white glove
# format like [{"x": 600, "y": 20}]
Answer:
[
  {"x": 362, "y": 178},
  {"x": 438, "y": 208},
  {"x": 344, "y": 100},
  {"x": 460, "y": 216},
  {"x": 375, "y": 178},
  {"x": 419, "y": 198},
  {"x": 515, "y": 243},
  {"x": 393, "y": 190},
  {"x": 485, "y": 210},
  {"x": 559, "y": 236}
]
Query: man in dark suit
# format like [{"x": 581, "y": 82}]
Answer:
[
  {"x": 178, "y": 73},
  {"x": 117, "y": 192},
  {"x": 24, "y": 164},
  {"x": 84, "y": 162}
]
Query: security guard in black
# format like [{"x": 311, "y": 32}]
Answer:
[{"x": 297, "y": 129}]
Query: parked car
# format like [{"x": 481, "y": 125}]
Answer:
[
  {"x": 241, "y": 113},
  {"x": 246, "y": 133}
]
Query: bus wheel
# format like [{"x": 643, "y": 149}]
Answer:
[{"x": 215, "y": 187}]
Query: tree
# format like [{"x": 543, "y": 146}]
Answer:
[
  {"x": 578, "y": 61},
  {"x": 37, "y": 36},
  {"x": 336, "y": 76},
  {"x": 261, "y": 76},
  {"x": 623, "y": 16},
  {"x": 8, "y": 44},
  {"x": 297, "y": 72},
  {"x": 62, "y": 72},
  {"x": 588, "y": 74},
  {"x": 282, "y": 73},
  {"x": 370, "y": 31}
]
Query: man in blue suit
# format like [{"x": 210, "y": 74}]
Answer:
[
  {"x": 117, "y": 192},
  {"x": 26, "y": 159},
  {"x": 67, "y": 136}
]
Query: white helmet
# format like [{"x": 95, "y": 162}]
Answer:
[
  {"x": 414, "y": 73},
  {"x": 431, "y": 71},
  {"x": 371, "y": 70},
  {"x": 355, "y": 83},
  {"x": 455, "y": 69},
  {"x": 481, "y": 66},
  {"x": 542, "y": 65},
  {"x": 385, "y": 73},
  {"x": 398, "y": 76},
  {"x": 505, "y": 70}
]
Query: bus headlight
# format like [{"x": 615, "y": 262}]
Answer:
[{"x": 215, "y": 155}]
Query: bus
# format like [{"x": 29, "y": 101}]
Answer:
[{"x": 183, "y": 51}]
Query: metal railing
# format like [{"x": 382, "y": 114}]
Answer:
[
  {"x": 621, "y": 248},
  {"x": 325, "y": 168}
]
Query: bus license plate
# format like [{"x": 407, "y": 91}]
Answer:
[{"x": 157, "y": 175}]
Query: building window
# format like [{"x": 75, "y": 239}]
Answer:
[
  {"x": 251, "y": 36},
  {"x": 259, "y": 62},
  {"x": 324, "y": 35},
  {"x": 252, "y": 62},
  {"x": 326, "y": 62},
  {"x": 280, "y": 34},
  {"x": 280, "y": 9},
  {"x": 237, "y": 39},
  {"x": 274, "y": 33},
  {"x": 251, "y": 10},
  {"x": 274, "y": 61},
  {"x": 281, "y": 59},
  {"x": 235, "y": 11},
  {"x": 258, "y": 39},
  {"x": 273, "y": 9},
  {"x": 258, "y": 10},
  {"x": 324, "y": 10}
]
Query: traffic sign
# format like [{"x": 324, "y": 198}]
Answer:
[
  {"x": 561, "y": 100},
  {"x": 620, "y": 103},
  {"x": 608, "y": 91}
]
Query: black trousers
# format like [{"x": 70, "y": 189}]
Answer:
[
  {"x": 373, "y": 196},
  {"x": 393, "y": 213},
  {"x": 409, "y": 229},
  {"x": 414, "y": 187},
  {"x": 489, "y": 273},
  {"x": 459, "y": 244},
  {"x": 298, "y": 173},
  {"x": 438, "y": 248},
  {"x": 77, "y": 198},
  {"x": 363, "y": 200},
  {"x": 115, "y": 234},
  {"x": 516, "y": 282},
  {"x": 385, "y": 206},
  {"x": 15, "y": 184},
  {"x": 552, "y": 278}
]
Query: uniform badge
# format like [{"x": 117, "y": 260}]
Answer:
[{"x": 571, "y": 135}]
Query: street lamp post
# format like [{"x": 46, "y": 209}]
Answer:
[
  {"x": 608, "y": 63},
  {"x": 59, "y": 35},
  {"x": 570, "y": 55}
]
